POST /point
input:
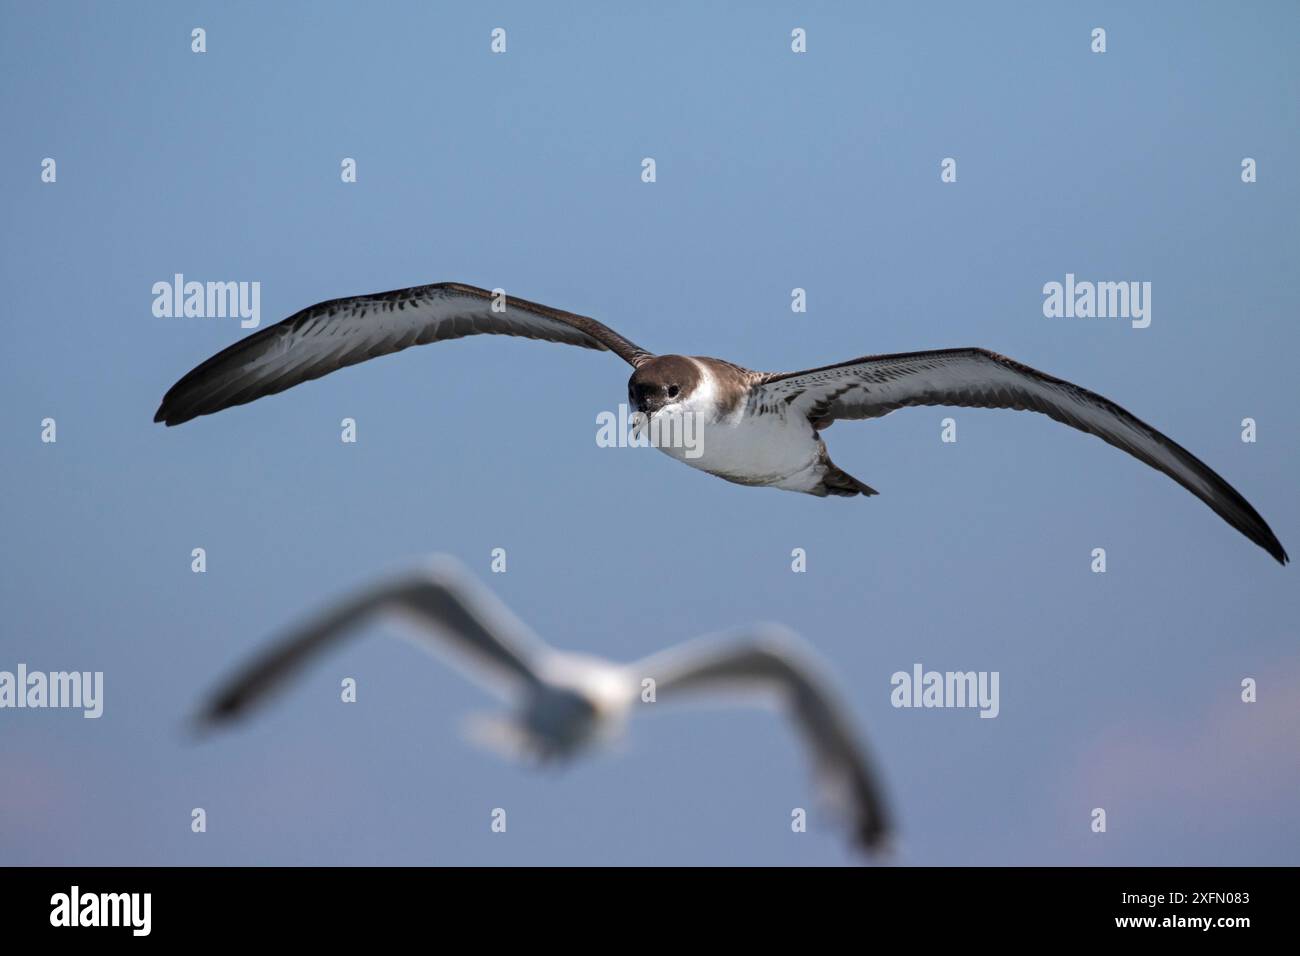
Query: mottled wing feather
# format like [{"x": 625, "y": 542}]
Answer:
[
  {"x": 341, "y": 332},
  {"x": 875, "y": 385}
]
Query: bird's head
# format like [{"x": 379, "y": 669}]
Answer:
[
  {"x": 663, "y": 381},
  {"x": 555, "y": 725}
]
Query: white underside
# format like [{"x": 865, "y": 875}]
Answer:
[{"x": 772, "y": 450}]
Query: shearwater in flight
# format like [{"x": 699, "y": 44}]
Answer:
[
  {"x": 567, "y": 703},
  {"x": 756, "y": 428}
]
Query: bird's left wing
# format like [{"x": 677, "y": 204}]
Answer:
[
  {"x": 449, "y": 609},
  {"x": 341, "y": 332},
  {"x": 768, "y": 660},
  {"x": 875, "y": 385}
]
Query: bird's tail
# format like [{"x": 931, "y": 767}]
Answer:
[
  {"x": 836, "y": 481},
  {"x": 502, "y": 735}
]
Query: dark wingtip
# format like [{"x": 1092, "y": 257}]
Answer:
[
  {"x": 1263, "y": 536},
  {"x": 216, "y": 713},
  {"x": 168, "y": 415},
  {"x": 200, "y": 726},
  {"x": 875, "y": 840}
]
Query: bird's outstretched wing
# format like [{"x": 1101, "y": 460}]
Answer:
[
  {"x": 769, "y": 660},
  {"x": 449, "y": 609},
  {"x": 341, "y": 332},
  {"x": 875, "y": 385}
]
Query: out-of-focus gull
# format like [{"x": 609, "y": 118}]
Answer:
[
  {"x": 750, "y": 428},
  {"x": 567, "y": 703}
]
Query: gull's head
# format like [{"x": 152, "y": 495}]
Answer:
[
  {"x": 581, "y": 704},
  {"x": 663, "y": 382},
  {"x": 552, "y": 727},
  {"x": 560, "y": 722}
]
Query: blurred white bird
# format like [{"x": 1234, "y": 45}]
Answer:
[{"x": 567, "y": 703}]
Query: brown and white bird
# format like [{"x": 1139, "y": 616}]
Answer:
[
  {"x": 754, "y": 428},
  {"x": 568, "y": 703}
]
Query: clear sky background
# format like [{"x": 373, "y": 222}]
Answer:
[{"x": 775, "y": 170}]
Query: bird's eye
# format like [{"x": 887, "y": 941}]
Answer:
[{"x": 672, "y": 391}]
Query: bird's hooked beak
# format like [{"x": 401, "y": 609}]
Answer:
[
  {"x": 649, "y": 399},
  {"x": 642, "y": 407},
  {"x": 640, "y": 422}
]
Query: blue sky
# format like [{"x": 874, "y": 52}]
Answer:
[{"x": 774, "y": 171}]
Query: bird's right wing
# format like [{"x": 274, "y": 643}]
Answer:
[
  {"x": 876, "y": 385},
  {"x": 768, "y": 659},
  {"x": 332, "y": 335},
  {"x": 449, "y": 608}
]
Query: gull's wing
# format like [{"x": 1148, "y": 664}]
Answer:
[
  {"x": 875, "y": 385},
  {"x": 448, "y": 607},
  {"x": 768, "y": 660},
  {"x": 342, "y": 332}
]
